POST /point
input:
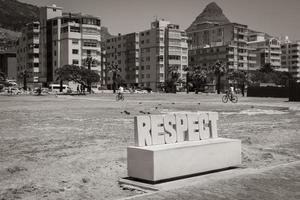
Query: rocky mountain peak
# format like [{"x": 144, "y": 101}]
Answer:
[{"x": 211, "y": 13}]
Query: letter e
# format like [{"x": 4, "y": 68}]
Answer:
[
  {"x": 157, "y": 129},
  {"x": 193, "y": 127}
]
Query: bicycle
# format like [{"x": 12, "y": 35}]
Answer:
[
  {"x": 228, "y": 96},
  {"x": 120, "y": 97}
]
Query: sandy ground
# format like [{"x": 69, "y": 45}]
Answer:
[{"x": 75, "y": 147}]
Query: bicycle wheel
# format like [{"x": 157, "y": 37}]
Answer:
[
  {"x": 122, "y": 97},
  {"x": 225, "y": 99},
  {"x": 234, "y": 99}
]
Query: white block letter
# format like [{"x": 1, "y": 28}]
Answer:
[
  {"x": 181, "y": 127},
  {"x": 193, "y": 127},
  {"x": 169, "y": 123},
  {"x": 142, "y": 128},
  {"x": 203, "y": 126},
  {"x": 213, "y": 118},
  {"x": 157, "y": 129}
]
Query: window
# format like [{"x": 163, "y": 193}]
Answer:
[
  {"x": 147, "y": 67},
  {"x": 90, "y": 43},
  {"x": 91, "y": 31},
  {"x": 147, "y": 75},
  {"x": 74, "y": 29},
  {"x": 65, "y": 29},
  {"x": 75, "y": 41},
  {"x": 75, "y": 51},
  {"x": 173, "y": 57},
  {"x": 91, "y": 21},
  {"x": 75, "y": 62},
  {"x": 148, "y": 58}
]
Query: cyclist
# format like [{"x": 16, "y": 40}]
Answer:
[
  {"x": 231, "y": 91},
  {"x": 120, "y": 92}
]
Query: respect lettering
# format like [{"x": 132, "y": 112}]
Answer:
[{"x": 175, "y": 128}]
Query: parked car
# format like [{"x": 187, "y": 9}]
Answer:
[{"x": 140, "y": 91}]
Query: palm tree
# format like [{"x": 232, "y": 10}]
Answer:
[
  {"x": 89, "y": 61},
  {"x": 219, "y": 69},
  {"x": 239, "y": 77},
  {"x": 24, "y": 75},
  {"x": 197, "y": 75},
  {"x": 114, "y": 69},
  {"x": 172, "y": 78}
]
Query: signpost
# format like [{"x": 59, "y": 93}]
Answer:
[{"x": 178, "y": 145}]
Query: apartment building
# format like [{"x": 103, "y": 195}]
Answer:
[
  {"x": 8, "y": 64},
  {"x": 212, "y": 41},
  {"x": 68, "y": 39},
  {"x": 146, "y": 57},
  {"x": 267, "y": 50},
  {"x": 28, "y": 53},
  {"x": 290, "y": 58},
  {"x": 123, "y": 51}
]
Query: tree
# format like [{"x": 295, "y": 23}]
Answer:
[
  {"x": 240, "y": 78},
  {"x": 267, "y": 68},
  {"x": 198, "y": 76},
  {"x": 172, "y": 78},
  {"x": 267, "y": 74},
  {"x": 114, "y": 69},
  {"x": 219, "y": 69},
  {"x": 77, "y": 74},
  {"x": 24, "y": 75},
  {"x": 89, "y": 61}
]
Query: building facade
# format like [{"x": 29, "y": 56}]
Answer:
[
  {"x": 291, "y": 58},
  {"x": 122, "y": 51},
  {"x": 28, "y": 53},
  {"x": 210, "y": 42},
  {"x": 267, "y": 50},
  {"x": 8, "y": 64},
  {"x": 145, "y": 58},
  {"x": 68, "y": 39}
]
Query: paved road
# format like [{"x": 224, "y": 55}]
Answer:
[{"x": 276, "y": 183}]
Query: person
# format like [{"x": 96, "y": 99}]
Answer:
[
  {"x": 120, "y": 91},
  {"x": 78, "y": 89},
  {"x": 231, "y": 91}
]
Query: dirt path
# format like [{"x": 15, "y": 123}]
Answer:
[{"x": 68, "y": 148}]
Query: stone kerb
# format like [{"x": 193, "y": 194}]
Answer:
[{"x": 175, "y": 145}]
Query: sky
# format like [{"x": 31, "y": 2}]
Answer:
[{"x": 275, "y": 17}]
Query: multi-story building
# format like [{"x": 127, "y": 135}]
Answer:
[
  {"x": 290, "y": 58},
  {"x": 28, "y": 53},
  {"x": 8, "y": 64},
  {"x": 145, "y": 58},
  {"x": 267, "y": 50},
  {"x": 122, "y": 51},
  {"x": 68, "y": 39},
  {"x": 213, "y": 41}
]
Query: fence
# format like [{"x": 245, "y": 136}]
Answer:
[
  {"x": 279, "y": 92},
  {"x": 294, "y": 91}
]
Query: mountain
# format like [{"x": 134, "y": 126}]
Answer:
[
  {"x": 212, "y": 13},
  {"x": 104, "y": 33},
  {"x": 14, "y": 15}
]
